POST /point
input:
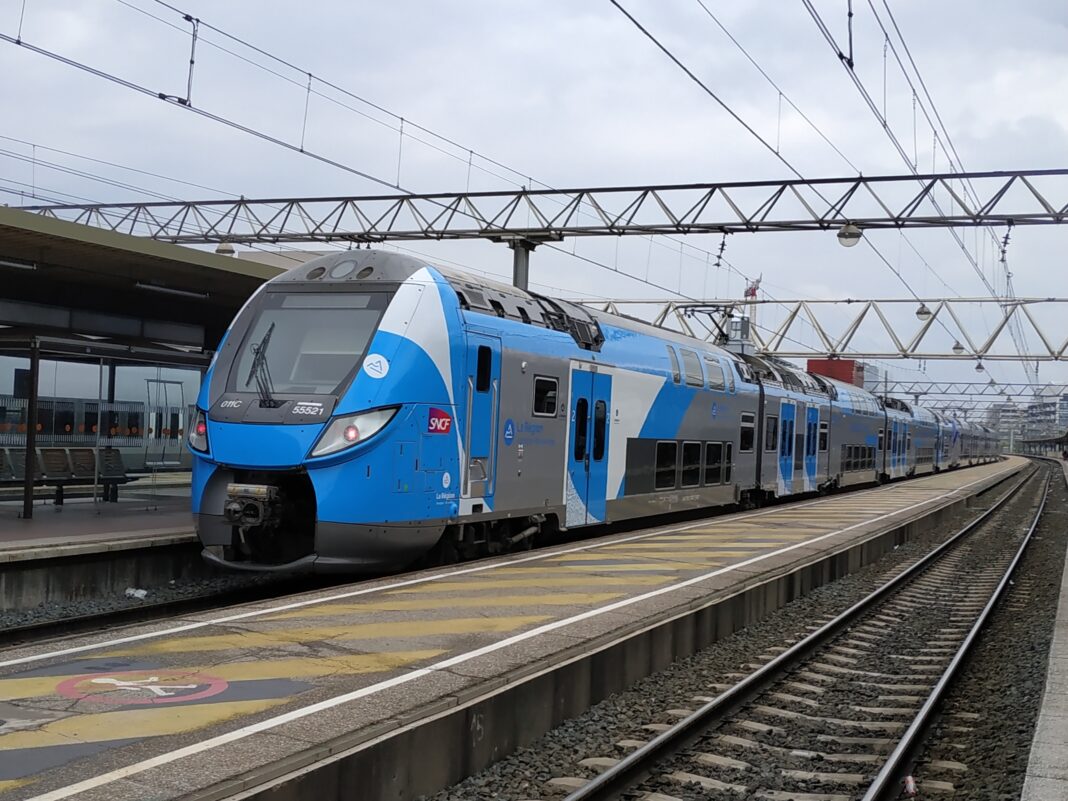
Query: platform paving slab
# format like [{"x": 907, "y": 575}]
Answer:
[{"x": 235, "y": 682}]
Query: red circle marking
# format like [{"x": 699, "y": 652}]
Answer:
[{"x": 138, "y": 694}]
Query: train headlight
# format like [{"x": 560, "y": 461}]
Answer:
[
  {"x": 352, "y": 429},
  {"x": 198, "y": 433}
]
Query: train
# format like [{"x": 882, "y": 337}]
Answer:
[{"x": 369, "y": 410}]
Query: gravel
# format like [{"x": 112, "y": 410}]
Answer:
[
  {"x": 1004, "y": 679},
  {"x": 524, "y": 774}
]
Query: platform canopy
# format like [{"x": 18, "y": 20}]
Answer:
[{"x": 63, "y": 278}]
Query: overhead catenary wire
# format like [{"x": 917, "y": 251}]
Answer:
[
  {"x": 767, "y": 145},
  {"x": 822, "y": 27}
]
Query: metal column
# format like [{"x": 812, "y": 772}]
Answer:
[
  {"x": 521, "y": 261},
  {"x": 31, "y": 432}
]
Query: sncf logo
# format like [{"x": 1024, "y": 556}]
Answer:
[{"x": 440, "y": 422}]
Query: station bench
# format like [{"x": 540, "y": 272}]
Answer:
[{"x": 64, "y": 467}]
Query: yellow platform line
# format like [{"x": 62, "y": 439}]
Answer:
[
  {"x": 136, "y": 723},
  {"x": 588, "y": 567},
  {"x": 533, "y": 581},
  {"x": 475, "y": 601},
  {"x": 711, "y": 552},
  {"x": 293, "y": 668},
  {"x": 13, "y": 784},
  {"x": 353, "y": 631}
]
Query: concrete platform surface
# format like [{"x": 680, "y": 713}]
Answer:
[
  {"x": 169, "y": 710},
  {"x": 1047, "y": 768},
  {"x": 80, "y": 526}
]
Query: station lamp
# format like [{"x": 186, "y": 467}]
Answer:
[
  {"x": 979, "y": 366},
  {"x": 958, "y": 348},
  {"x": 923, "y": 314},
  {"x": 848, "y": 235}
]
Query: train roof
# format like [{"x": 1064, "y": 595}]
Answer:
[{"x": 483, "y": 294}]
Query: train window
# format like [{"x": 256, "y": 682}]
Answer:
[
  {"x": 824, "y": 426},
  {"x": 787, "y": 438},
  {"x": 582, "y": 415},
  {"x": 715, "y": 374},
  {"x": 545, "y": 394},
  {"x": 799, "y": 446},
  {"x": 881, "y": 448},
  {"x": 484, "y": 368},
  {"x": 771, "y": 432},
  {"x": 730, "y": 380},
  {"x": 666, "y": 458},
  {"x": 692, "y": 366},
  {"x": 908, "y": 442},
  {"x": 713, "y": 462},
  {"x": 675, "y": 374},
  {"x": 600, "y": 419},
  {"x": 747, "y": 432},
  {"x": 728, "y": 461},
  {"x": 691, "y": 464}
]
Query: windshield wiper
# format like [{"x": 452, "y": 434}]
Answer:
[{"x": 262, "y": 373}]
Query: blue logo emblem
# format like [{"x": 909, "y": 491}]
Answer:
[
  {"x": 715, "y": 409},
  {"x": 509, "y": 431}
]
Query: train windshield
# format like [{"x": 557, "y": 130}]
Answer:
[{"x": 308, "y": 342}]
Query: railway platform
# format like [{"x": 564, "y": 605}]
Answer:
[
  {"x": 82, "y": 548},
  {"x": 404, "y": 685},
  {"x": 1047, "y": 767}
]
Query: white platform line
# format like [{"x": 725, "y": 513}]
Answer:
[{"x": 405, "y": 678}]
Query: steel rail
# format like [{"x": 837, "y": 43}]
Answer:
[
  {"x": 630, "y": 770},
  {"x": 887, "y": 783}
]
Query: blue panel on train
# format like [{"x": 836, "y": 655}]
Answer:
[{"x": 272, "y": 446}]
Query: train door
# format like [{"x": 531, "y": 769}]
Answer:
[
  {"x": 812, "y": 427},
  {"x": 787, "y": 424},
  {"x": 587, "y": 454},
  {"x": 483, "y": 402}
]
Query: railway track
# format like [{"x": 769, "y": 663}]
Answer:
[{"x": 839, "y": 714}]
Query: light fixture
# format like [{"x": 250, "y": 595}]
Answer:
[
  {"x": 226, "y": 249},
  {"x": 923, "y": 314},
  {"x": 186, "y": 293},
  {"x": 849, "y": 235},
  {"x": 979, "y": 366},
  {"x": 958, "y": 348},
  {"x": 18, "y": 265}
]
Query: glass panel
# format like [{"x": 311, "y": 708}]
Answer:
[
  {"x": 675, "y": 374},
  {"x": 715, "y": 374},
  {"x": 691, "y": 464},
  {"x": 312, "y": 348},
  {"x": 694, "y": 376},
  {"x": 600, "y": 417},
  {"x": 771, "y": 432},
  {"x": 666, "y": 458},
  {"x": 484, "y": 370},
  {"x": 545, "y": 390},
  {"x": 582, "y": 414},
  {"x": 747, "y": 432},
  {"x": 713, "y": 462},
  {"x": 728, "y": 461}
]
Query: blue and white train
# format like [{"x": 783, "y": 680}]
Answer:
[{"x": 367, "y": 409}]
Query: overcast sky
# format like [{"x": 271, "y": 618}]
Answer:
[{"x": 564, "y": 94}]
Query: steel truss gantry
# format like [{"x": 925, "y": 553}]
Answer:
[
  {"x": 532, "y": 216},
  {"x": 906, "y": 327},
  {"x": 997, "y": 392}
]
